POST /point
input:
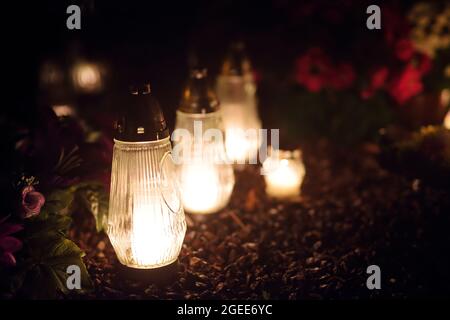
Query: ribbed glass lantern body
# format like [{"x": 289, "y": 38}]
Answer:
[
  {"x": 146, "y": 223},
  {"x": 206, "y": 179},
  {"x": 237, "y": 94}
]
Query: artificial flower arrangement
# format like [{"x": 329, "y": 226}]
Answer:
[
  {"x": 373, "y": 79},
  {"x": 419, "y": 145},
  {"x": 47, "y": 165}
]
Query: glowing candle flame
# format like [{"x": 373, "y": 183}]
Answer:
[
  {"x": 283, "y": 177},
  {"x": 150, "y": 242},
  {"x": 87, "y": 77},
  {"x": 200, "y": 188},
  {"x": 237, "y": 145}
]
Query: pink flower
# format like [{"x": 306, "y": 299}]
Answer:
[
  {"x": 404, "y": 49},
  {"x": 312, "y": 69},
  {"x": 32, "y": 202},
  {"x": 342, "y": 77},
  {"x": 8, "y": 244},
  {"x": 406, "y": 85}
]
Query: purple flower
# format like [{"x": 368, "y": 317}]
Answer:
[
  {"x": 8, "y": 244},
  {"x": 32, "y": 202}
]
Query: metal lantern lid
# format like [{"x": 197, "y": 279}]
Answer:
[
  {"x": 236, "y": 62},
  {"x": 198, "y": 97},
  {"x": 141, "y": 118}
]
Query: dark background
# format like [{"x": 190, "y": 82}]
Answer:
[{"x": 156, "y": 41}]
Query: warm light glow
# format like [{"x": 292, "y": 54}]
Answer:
[
  {"x": 200, "y": 188},
  {"x": 146, "y": 222},
  {"x": 236, "y": 90},
  {"x": 87, "y": 77},
  {"x": 241, "y": 132},
  {"x": 149, "y": 241},
  {"x": 445, "y": 97},
  {"x": 63, "y": 110},
  {"x": 447, "y": 121},
  {"x": 238, "y": 146},
  {"x": 283, "y": 177},
  {"x": 237, "y": 95},
  {"x": 206, "y": 182}
]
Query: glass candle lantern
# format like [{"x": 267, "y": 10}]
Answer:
[
  {"x": 146, "y": 223},
  {"x": 236, "y": 90},
  {"x": 283, "y": 173},
  {"x": 206, "y": 179}
]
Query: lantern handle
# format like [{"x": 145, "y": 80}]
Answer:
[{"x": 177, "y": 191}]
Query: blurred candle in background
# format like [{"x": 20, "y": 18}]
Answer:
[
  {"x": 64, "y": 110},
  {"x": 447, "y": 121},
  {"x": 284, "y": 172},
  {"x": 236, "y": 90},
  {"x": 206, "y": 180},
  {"x": 87, "y": 77}
]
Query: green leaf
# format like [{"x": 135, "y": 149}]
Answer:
[
  {"x": 67, "y": 163},
  {"x": 63, "y": 254},
  {"x": 58, "y": 200},
  {"x": 54, "y": 225},
  {"x": 94, "y": 199},
  {"x": 48, "y": 277}
]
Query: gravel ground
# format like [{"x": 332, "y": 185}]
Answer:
[{"x": 351, "y": 214}]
